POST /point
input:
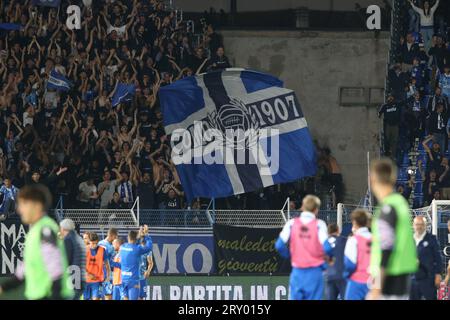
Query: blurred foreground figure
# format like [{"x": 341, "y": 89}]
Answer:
[
  {"x": 44, "y": 267},
  {"x": 393, "y": 256}
]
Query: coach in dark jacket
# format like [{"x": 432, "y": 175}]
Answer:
[
  {"x": 76, "y": 255},
  {"x": 335, "y": 281},
  {"x": 428, "y": 277}
]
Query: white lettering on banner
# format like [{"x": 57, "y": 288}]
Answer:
[
  {"x": 12, "y": 245},
  {"x": 156, "y": 292},
  {"x": 210, "y": 292},
  {"x": 169, "y": 255},
  {"x": 199, "y": 293},
  {"x": 188, "y": 258},
  {"x": 216, "y": 292},
  {"x": 8, "y": 262},
  {"x": 238, "y": 293},
  {"x": 166, "y": 259},
  {"x": 175, "y": 293},
  {"x": 187, "y": 293},
  {"x": 280, "y": 293},
  {"x": 259, "y": 293},
  {"x": 12, "y": 232}
]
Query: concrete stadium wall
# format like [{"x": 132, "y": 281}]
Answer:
[
  {"x": 265, "y": 5},
  {"x": 316, "y": 65}
]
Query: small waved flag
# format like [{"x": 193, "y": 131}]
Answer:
[
  {"x": 124, "y": 93},
  {"x": 47, "y": 3},
  {"x": 10, "y": 26},
  {"x": 58, "y": 82}
]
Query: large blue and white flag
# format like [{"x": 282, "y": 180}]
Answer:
[
  {"x": 235, "y": 131},
  {"x": 124, "y": 92},
  {"x": 58, "y": 82},
  {"x": 47, "y": 3}
]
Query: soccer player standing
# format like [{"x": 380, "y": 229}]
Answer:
[
  {"x": 304, "y": 239},
  {"x": 357, "y": 257},
  {"x": 107, "y": 243},
  {"x": 97, "y": 268},
  {"x": 130, "y": 259},
  {"x": 393, "y": 254},
  {"x": 117, "y": 292},
  {"x": 44, "y": 267},
  {"x": 144, "y": 272}
]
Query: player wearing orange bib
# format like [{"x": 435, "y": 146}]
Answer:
[{"x": 96, "y": 259}]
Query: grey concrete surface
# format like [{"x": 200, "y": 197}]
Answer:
[{"x": 316, "y": 65}]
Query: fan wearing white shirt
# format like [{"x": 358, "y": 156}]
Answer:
[{"x": 426, "y": 15}]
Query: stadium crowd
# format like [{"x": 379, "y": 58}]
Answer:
[
  {"x": 78, "y": 138},
  {"x": 416, "y": 112}
]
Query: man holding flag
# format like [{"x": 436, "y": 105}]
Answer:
[
  {"x": 58, "y": 82},
  {"x": 123, "y": 93}
]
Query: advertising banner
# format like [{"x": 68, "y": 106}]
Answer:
[
  {"x": 240, "y": 250},
  {"x": 183, "y": 251},
  {"x": 218, "y": 288}
]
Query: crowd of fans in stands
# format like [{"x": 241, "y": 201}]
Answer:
[
  {"x": 416, "y": 110},
  {"x": 76, "y": 142},
  {"x": 92, "y": 153}
]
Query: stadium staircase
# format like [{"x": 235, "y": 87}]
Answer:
[
  {"x": 409, "y": 165},
  {"x": 409, "y": 162}
]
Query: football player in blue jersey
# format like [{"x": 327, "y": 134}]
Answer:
[
  {"x": 107, "y": 243},
  {"x": 144, "y": 273},
  {"x": 130, "y": 260}
]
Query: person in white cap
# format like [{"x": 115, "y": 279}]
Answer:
[{"x": 76, "y": 255}]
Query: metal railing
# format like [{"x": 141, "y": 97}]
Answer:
[
  {"x": 181, "y": 218},
  {"x": 99, "y": 217},
  {"x": 250, "y": 218},
  {"x": 174, "y": 218}
]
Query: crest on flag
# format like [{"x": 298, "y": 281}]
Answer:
[{"x": 234, "y": 117}]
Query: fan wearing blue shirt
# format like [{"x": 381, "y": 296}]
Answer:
[
  {"x": 130, "y": 260},
  {"x": 8, "y": 192}
]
